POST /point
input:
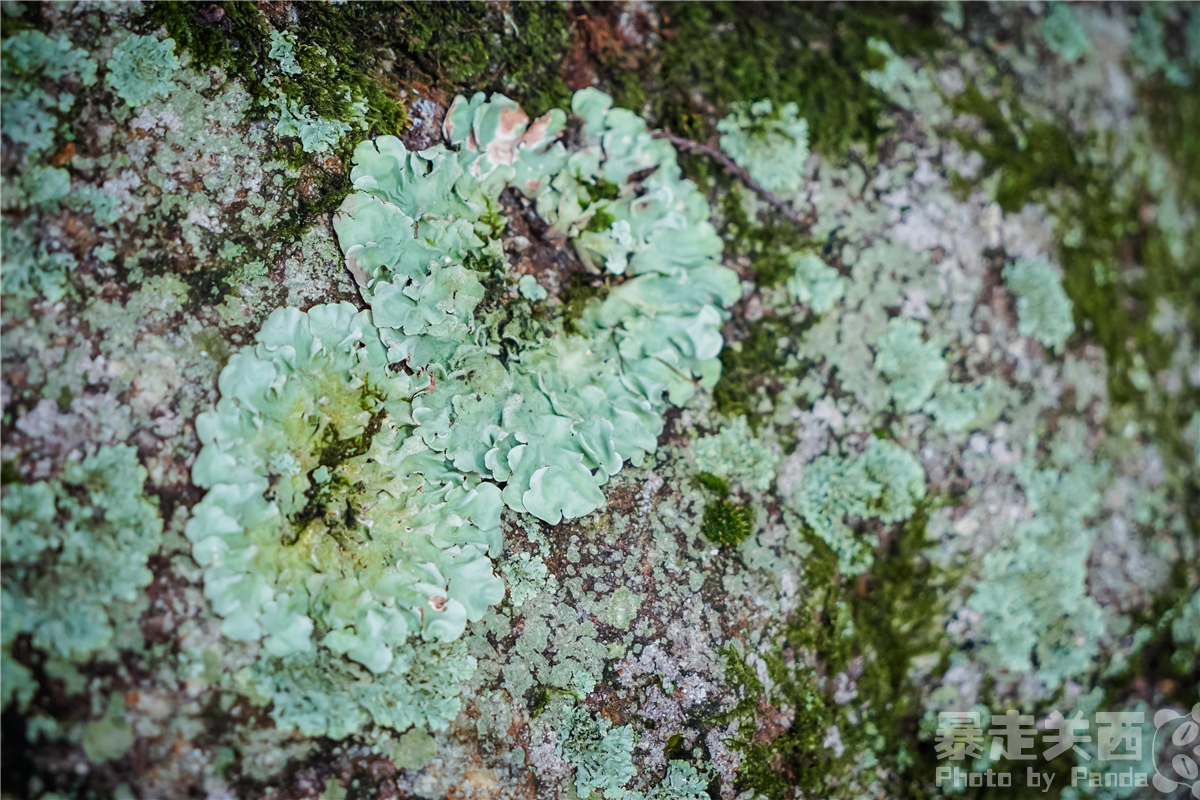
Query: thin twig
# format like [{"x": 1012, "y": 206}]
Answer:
[{"x": 733, "y": 169}]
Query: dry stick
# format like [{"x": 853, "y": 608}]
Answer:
[{"x": 733, "y": 169}]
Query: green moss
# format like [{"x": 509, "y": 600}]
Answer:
[
  {"x": 755, "y": 361},
  {"x": 722, "y": 53},
  {"x": 880, "y": 622},
  {"x": 726, "y": 524},
  {"x": 713, "y": 483},
  {"x": 1101, "y": 234},
  {"x": 475, "y": 46}
]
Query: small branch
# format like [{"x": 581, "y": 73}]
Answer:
[{"x": 733, "y": 169}]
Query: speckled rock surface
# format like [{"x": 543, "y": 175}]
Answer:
[{"x": 787, "y": 488}]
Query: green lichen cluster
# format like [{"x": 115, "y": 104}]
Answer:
[
  {"x": 381, "y": 439},
  {"x": 770, "y": 145},
  {"x": 885, "y": 482},
  {"x": 602, "y": 753},
  {"x": 75, "y": 551},
  {"x": 142, "y": 69}
]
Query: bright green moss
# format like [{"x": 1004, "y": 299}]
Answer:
[
  {"x": 141, "y": 69},
  {"x": 813, "y": 56},
  {"x": 713, "y": 483},
  {"x": 872, "y": 628},
  {"x": 727, "y": 524},
  {"x": 75, "y": 553}
]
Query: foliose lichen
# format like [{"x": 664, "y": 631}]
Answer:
[
  {"x": 1043, "y": 309},
  {"x": 354, "y": 464},
  {"x": 771, "y": 145},
  {"x": 602, "y": 753},
  {"x": 75, "y": 551},
  {"x": 141, "y": 69}
]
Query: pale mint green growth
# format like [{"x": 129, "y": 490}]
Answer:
[
  {"x": 110, "y": 736},
  {"x": 414, "y": 749},
  {"x": 771, "y": 145},
  {"x": 527, "y": 576},
  {"x": 1033, "y": 596},
  {"x": 736, "y": 454},
  {"x": 1043, "y": 309},
  {"x": 142, "y": 68},
  {"x": 814, "y": 283},
  {"x": 1148, "y": 46},
  {"x": 884, "y": 482},
  {"x": 1193, "y": 38},
  {"x": 316, "y": 134},
  {"x": 601, "y": 753},
  {"x": 357, "y": 462},
  {"x": 1185, "y": 630},
  {"x": 1063, "y": 33},
  {"x": 911, "y": 365},
  {"x": 30, "y": 112},
  {"x": 283, "y": 50},
  {"x": 898, "y": 80},
  {"x": 75, "y": 552},
  {"x": 682, "y": 782},
  {"x": 319, "y": 693},
  {"x": 952, "y": 14},
  {"x": 623, "y": 608},
  {"x": 530, "y": 289},
  {"x": 308, "y": 416},
  {"x": 963, "y": 406},
  {"x": 31, "y": 268}
]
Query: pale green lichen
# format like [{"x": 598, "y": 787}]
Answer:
[
  {"x": 735, "y": 454},
  {"x": 1033, "y": 596},
  {"x": 884, "y": 482},
  {"x": 682, "y": 782},
  {"x": 31, "y": 112},
  {"x": 912, "y": 365},
  {"x": 530, "y": 289},
  {"x": 352, "y": 504},
  {"x": 771, "y": 145},
  {"x": 1063, "y": 33},
  {"x": 814, "y": 283},
  {"x": 142, "y": 69},
  {"x": 283, "y": 50},
  {"x": 1148, "y": 45},
  {"x": 75, "y": 552},
  {"x": 1043, "y": 308},
  {"x": 602, "y": 753}
]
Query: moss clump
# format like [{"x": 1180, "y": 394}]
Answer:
[
  {"x": 814, "y": 56},
  {"x": 756, "y": 361},
  {"x": 726, "y": 524},
  {"x": 476, "y": 46},
  {"x": 873, "y": 627},
  {"x": 713, "y": 483}
]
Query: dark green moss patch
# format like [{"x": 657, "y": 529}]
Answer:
[
  {"x": 713, "y": 483},
  {"x": 715, "y": 54},
  {"x": 1115, "y": 258},
  {"x": 874, "y": 627}
]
